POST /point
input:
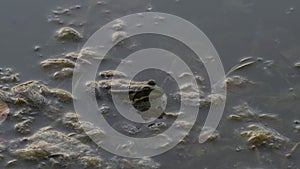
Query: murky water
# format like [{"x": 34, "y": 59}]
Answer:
[{"x": 237, "y": 28}]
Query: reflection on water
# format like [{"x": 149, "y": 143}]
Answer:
[{"x": 265, "y": 30}]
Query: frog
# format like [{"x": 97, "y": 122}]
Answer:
[{"x": 140, "y": 94}]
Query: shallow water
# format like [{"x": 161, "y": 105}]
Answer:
[{"x": 237, "y": 28}]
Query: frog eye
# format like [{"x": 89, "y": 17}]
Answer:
[{"x": 151, "y": 83}]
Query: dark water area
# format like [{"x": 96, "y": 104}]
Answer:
[{"x": 265, "y": 30}]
